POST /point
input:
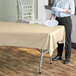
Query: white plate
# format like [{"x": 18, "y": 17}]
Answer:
[
  {"x": 58, "y": 9},
  {"x": 51, "y": 23}
]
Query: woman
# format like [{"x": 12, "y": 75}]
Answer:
[{"x": 64, "y": 19}]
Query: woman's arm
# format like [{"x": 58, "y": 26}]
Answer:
[
  {"x": 66, "y": 10},
  {"x": 52, "y": 16}
]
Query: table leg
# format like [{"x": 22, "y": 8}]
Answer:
[
  {"x": 41, "y": 62},
  {"x": 50, "y": 60}
]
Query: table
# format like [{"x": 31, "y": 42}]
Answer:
[{"x": 36, "y": 36}]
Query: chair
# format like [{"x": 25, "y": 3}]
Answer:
[{"x": 26, "y": 10}]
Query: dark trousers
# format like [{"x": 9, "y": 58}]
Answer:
[{"x": 67, "y": 23}]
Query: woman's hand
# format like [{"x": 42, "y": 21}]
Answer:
[
  {"x": 66, "y": 10},
  {"x": 52, "y": 16}
]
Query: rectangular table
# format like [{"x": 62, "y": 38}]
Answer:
[{"x": 32, "y": 36}]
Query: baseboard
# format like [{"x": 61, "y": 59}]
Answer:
[{"x": 73, "y": 45}]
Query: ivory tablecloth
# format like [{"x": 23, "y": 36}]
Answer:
[{"x": 31, "y": 35}]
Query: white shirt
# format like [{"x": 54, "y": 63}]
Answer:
[{"x": 69, "y": 4}]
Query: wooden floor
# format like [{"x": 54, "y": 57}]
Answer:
[{"x": 25, "y": 62}]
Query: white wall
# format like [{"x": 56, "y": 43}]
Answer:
[
  {"x": 36, "y": 9},
  {"x": 74, "y": 28},
  {"x": 8, "y": 10},
  {"x": 75, "y": 2},
  {"x": 43, "y": 14},
  {"x": 41, "y": 9}
]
